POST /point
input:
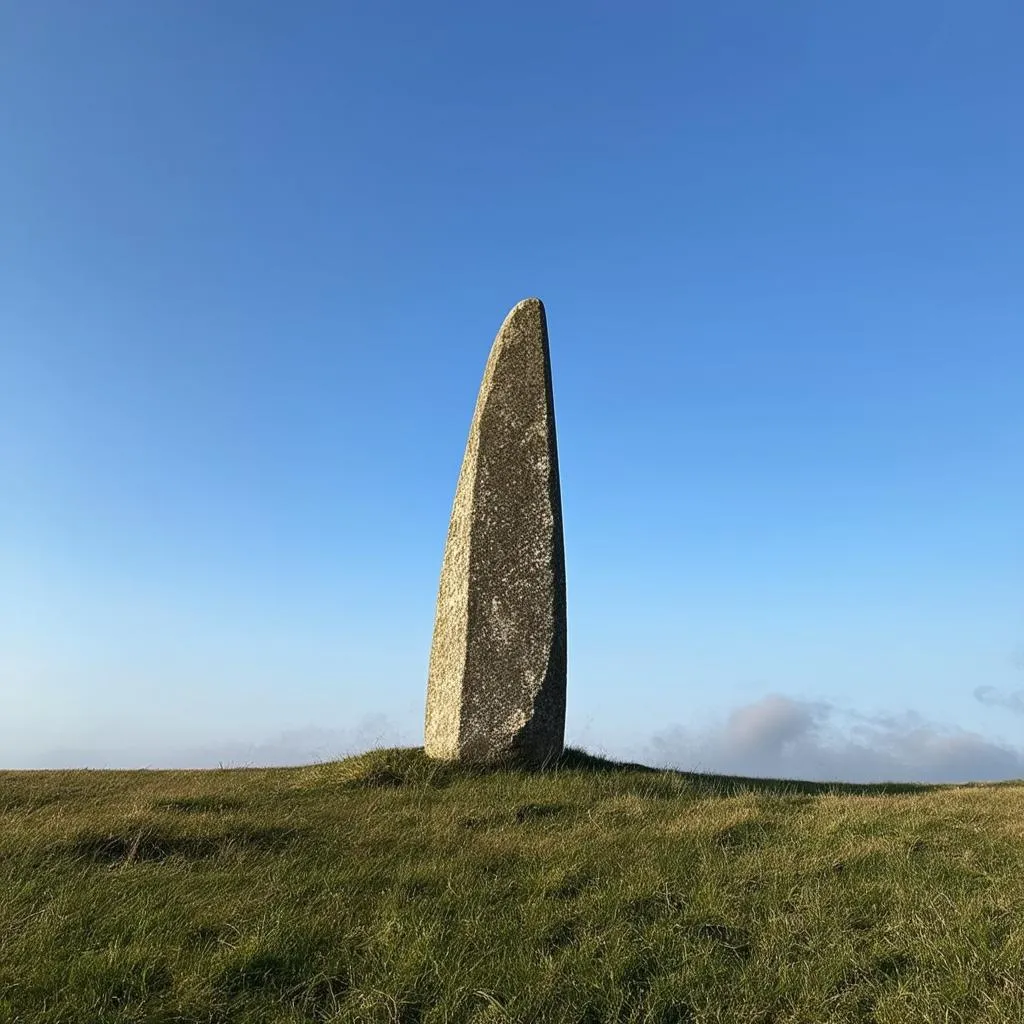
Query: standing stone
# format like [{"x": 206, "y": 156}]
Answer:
[{"x": 496, "y": 688}]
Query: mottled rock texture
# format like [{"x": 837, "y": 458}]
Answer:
[{"x": 496, "y": 689}]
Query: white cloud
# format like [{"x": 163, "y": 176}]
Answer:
[
  {"x": 1011, "y": 701},
  {"x": 780, "y": 737}
]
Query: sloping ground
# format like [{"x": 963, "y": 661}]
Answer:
[{"x": 389, "y": 888}]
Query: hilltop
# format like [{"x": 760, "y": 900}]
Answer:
[{"x": 386, "y": 887}]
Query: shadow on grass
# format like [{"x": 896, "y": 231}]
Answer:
[
  {"x": 395, "y": 767},
  {"x": 291, "y": 972},
  {"x": 148, "y": 844},
  {"x": 727, "y": 785}
]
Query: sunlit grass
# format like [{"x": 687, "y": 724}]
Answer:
[{"x": 390, "y": 888}]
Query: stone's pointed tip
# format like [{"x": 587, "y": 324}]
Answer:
[{"x": 525, "y": 307}]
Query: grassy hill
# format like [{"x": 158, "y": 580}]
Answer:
[{"x": 389, "y": 888}]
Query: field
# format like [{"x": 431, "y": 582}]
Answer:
[{"x": 386, "y": 888}]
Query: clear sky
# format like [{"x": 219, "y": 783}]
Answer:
[{"x": 252, "y": 259}]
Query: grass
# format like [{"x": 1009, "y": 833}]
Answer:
[{"x": 389, "y": 888}]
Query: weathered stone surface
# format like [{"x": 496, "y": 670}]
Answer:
[{"x": 496, "y": 688}]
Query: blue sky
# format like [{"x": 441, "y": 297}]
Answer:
[{"x": 252, "y": 260}]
